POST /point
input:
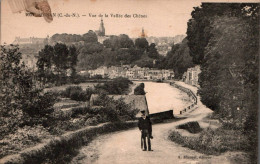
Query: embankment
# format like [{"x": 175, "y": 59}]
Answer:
[{"x": 61, "y": 149}]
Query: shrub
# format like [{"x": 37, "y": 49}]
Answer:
[
  {"x": 89, "y": 92},
  {"x": 71, "y": 89},
  {"x": 21, "y": 100},
  {"x": 139, "y": 90},
  {"x": 75, "y": 93},
  {"x": 21, "y": 139},
  {"x": 118, "y": 85},
  {"x": 192, "y": 127},
  {"x": 213, "y": 142},
  {"x": 115, "y": 110}
]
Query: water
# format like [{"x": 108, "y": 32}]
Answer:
[{"x": 161, "y": 97}]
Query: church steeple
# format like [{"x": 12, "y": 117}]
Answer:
[
  {"x": 102, "y": 28},
  {"x": 143, "y": 34}
]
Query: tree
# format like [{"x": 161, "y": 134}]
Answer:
[
  {"x": 152, "y": 51},
  {"x": 90, "y": 37},
  {"x": 141, "y": 43},
  {"x": 231, "y": 59},
  {"x": 91, "y": 61},
  {"x": 107, "y": 43},
  {"x": 44, "y": 64},
  {"x": 224, "y": 39},
  {"x": 66, "y": 38},
  {"x": 22, "y": 102},
  {"x": 125, "y": 41},
  {"x": 139, "y": 90},
  {"x": 117, "y": 42},
  {"x": 90, "y": 48},
  {"x": 117, "y": 86},
  {"x": 198, "y": 32},
  {"x": 177, "y": 59},
  {"x": 55, "y": 62},
  {"x": 72, "y": 61}
]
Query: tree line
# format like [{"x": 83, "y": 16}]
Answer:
[
  {"x": 118, "y": 50},
  {"x": 224, "y": 40},
  {"x": 56, "y": 64}
]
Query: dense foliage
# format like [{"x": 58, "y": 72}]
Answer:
[
  {"x": 115, "y": 110},
  {"x": 224, "y": 39},
  {"x": 57, "y": 63},
  {"x": 212, "y": 141},
  {"x": 22, "y": 101},
  {"x": 177, "y": 59},
  {"x": 114, "y": 51},
  {"x": 88, "y": 37},
  {"x": 117, "y": 42},
  {"x": 117, "y": 86},
  {"x": 77, "y": 93},
  {"x": 118, "y": 50},
  {"x": 199, "y": 27},
  {"x": 139, "y": 90}
]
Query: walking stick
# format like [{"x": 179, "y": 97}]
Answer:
[{"x": 142, "y": 144}]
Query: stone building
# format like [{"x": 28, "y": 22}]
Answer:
[
  {"x": 101, "y": 33},
  {"x": 192, "y": 76},
  {"x": 31, "y": 40}
]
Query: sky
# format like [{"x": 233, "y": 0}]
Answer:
[{"x": 163, "y": 18}]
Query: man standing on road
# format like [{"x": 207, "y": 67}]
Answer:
[{"x": 145, "y": 126}]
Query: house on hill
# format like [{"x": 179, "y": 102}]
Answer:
[{"x": 135, "y": 101}]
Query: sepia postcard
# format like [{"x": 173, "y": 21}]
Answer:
[{"x": 129, "y": 81}]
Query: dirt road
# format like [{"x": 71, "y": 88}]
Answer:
[{"x": 124, "y": 147}]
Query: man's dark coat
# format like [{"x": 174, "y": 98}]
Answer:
[{"x": 145, "y": 124}]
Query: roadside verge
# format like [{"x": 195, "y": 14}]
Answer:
[{"x": 60, "y": 149}]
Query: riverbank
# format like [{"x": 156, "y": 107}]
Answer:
[
  {"x": 213, "y": 139},
  {"x": 124, "y": 146},
  {"x": 163, "y": 97}
]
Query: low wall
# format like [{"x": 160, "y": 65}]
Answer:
[
  {"x": 56, "y": 150},
  {"x": 162, "y": 115},
  {"x": 191, "y": 94}
]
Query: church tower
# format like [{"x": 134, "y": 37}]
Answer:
[
  {"x": 102, "y": 28},
  {"x": 143, "y": 34}
]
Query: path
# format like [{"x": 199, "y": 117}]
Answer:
[{"x": 124, "y": 147}]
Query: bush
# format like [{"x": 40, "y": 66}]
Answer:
[
  {"x": 77, "y": 79},
  {"x": 117, "y": 86},
  {"x": 115, "y": 110},
  {"x": 192, "y": 127},
  {"x": 89, "y": 92},
  {"x": 213, "y": 142},
  {"x": 71, "y": 89},
  {"x": 21, "y": 139},
  {"x": 75, "y": 93},
  {"x": 139, "y": 90},
  {"x": 63, "y": 149},
  {"x": 22, "y": 101}
]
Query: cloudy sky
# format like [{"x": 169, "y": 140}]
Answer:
[{"x": 164, "y": 18}]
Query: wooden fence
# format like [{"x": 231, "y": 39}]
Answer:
[{"x": 191, "y": 94}]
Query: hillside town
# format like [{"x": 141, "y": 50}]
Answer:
[
  {"x": 135, "y": 73},
  {"x": 163, "y": 44},
  {"x": 178, "y": 79}
]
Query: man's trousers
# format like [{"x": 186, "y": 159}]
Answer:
[{"x": 146, "y": 134}]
